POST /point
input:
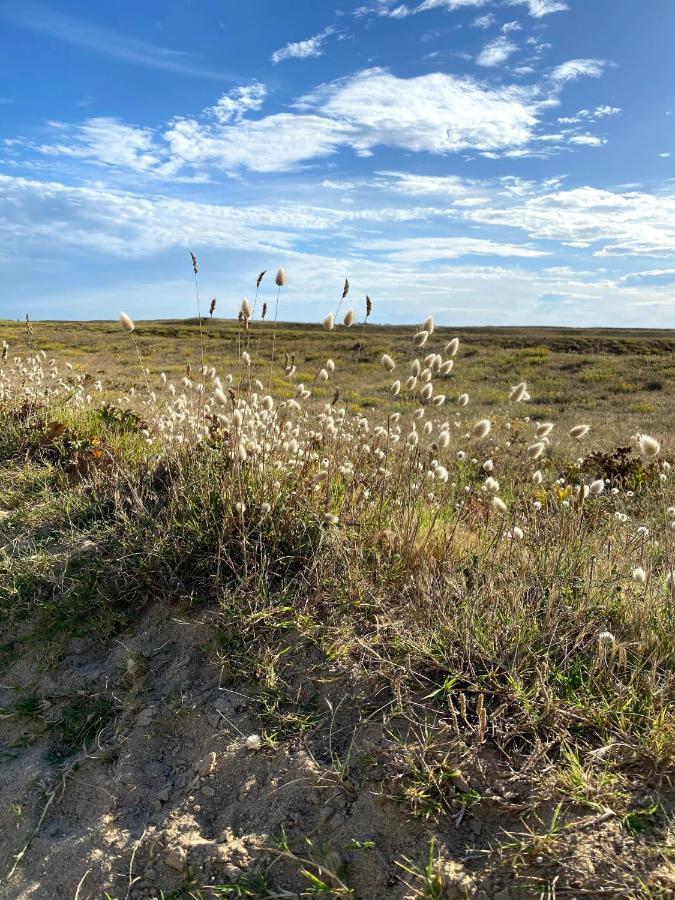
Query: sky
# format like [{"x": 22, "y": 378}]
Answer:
[{"x": 487, "y": 162}]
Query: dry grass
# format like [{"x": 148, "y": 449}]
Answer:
[{"x": 507, "y": 638}]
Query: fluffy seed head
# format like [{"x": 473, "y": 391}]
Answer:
[
  {"x": 349, "y": 318},
  {"x": 421, "y": 338},
  {"x": 639, "y": 575},
  {"x": 518, "y": 392},
  {"x": 428, "y": 325},
  {"x": 535, "y": 451},
  {"x": 499, "y": 506},
  {"x": 596, "y": 487},
  {"x": 482, "y": 429},
  {"x": 463, "y": 399},
  {"x": 388, "y": 363},
  {"x": 579, "y": 431},
  {"x": 452, "y": 348},
  {"x": 649, "y": 446},
  {"x": 329, "y": 322},
  {"x": 281, "y": 278},
  {"x": 544, "y": 429},
  {"x": 126, "y": 322}
]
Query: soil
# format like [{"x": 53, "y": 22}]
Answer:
[{"x": 166, "y": 795}]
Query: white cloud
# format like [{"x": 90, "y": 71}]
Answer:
[
  {"x": 311, "y": 47},
  {"x": 234, "y": 106},
  {"x": 450, "y": 187},
  {"x": 342, "y": 186},
  {"x": 437, "y": 112},
  {"x": 111, "y": 143},
  {"x": 540, "y": 8},
  {"x": 450, "y": 5},
  {"x": 395, "y": 10},
  {"x": 613, "y": 223},
  {"x": 496, "y": 52},
  {"x": 415, "y": 251},
  {"x": 578, "y": 68},
  {"x": 483, "y": 21},
  {"x": 587, "y": 140},
  {"x": 601, "y": 112}
]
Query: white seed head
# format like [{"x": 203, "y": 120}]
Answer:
[
  {"x": 517, "y": 393},
  {"x": 499, "y": 506},
  {"x": 126, "y": 322},
  {"x": 535, "y": 451},
  {"x": 482, "y": 429},
  {"x": 579, "y": 431},
  {"x": 649, "y": 446},
  {"x": 639, "y": 575}
]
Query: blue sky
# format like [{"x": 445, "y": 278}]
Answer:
[{"x": 485, "y": 161}]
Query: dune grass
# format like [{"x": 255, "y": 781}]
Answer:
[{"x": 502, "y": 609}]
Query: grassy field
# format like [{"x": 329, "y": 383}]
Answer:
[{"x": 292, "y": 627}]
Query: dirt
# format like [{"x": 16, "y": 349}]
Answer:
[{"x": 165, "y": 794}]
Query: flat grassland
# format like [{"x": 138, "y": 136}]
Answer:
[{"x": 278, "y": 628}]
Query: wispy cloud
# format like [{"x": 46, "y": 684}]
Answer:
[
  {"x": 496, "y": 52},
  {"x": 395, "y": 10},
  {"x": 98, "y": 39},
  {"x": 483, "y": 21},
  {"x": 578, "y": 68},
  {"x": 311, "y": 47},
  {"x": 540, "y": 8}
]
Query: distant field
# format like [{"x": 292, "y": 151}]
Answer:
[{"x": 624, "y": 379}]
